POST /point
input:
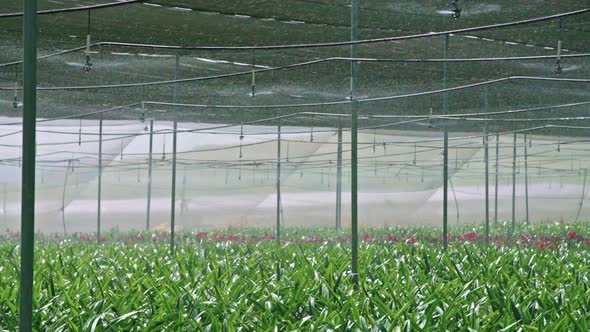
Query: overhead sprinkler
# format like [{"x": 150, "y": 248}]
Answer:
[
  {"x": 241, "y": 139},
  {"x": 88, "y": 64},
  {"x": 456, "y": 11},
  {"x": 142, "y": 115},
  {"x": 15, "y": 102},
  {"x": 558, "y": 68}
]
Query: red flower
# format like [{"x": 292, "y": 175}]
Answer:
[
  {"x": 498, "y": 240},
  {"x": 367, "y": 238},
  {"x": 573, "y": 236},
  {"x": 470, "y": 237},
  {"x": 391, "y": 238},
  {"x": 202, "y": 236}
]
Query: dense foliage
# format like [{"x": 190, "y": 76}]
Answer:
[{"x": 227, "y": 281}]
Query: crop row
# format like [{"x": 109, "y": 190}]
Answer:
[{"x": 210, "y": 285}]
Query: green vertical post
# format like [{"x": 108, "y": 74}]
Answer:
[
  {"x": 514, "y": 185},
  {"x": 445, "y": 150},
  {"x": 279, "y": 183},
  {"x": 99, "y": 194},
  {"x": 27, "y": 252},
  {"x": 526, "y": 180},
  {"x": 496, "y": 184},
  {"x": 174, "y": 142},
  {"x": 354, "y": 13},
  {"x": 487, "y": 166},
  {"x": 339, "y": 178},
  {"x": 150, "y": 164}
]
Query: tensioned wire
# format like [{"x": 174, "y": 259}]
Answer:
[
  {"x": 343, "y": 43},
  {"x": 76, "y": 9},
  {"x": 372, "y": 116},
  {"x": 429, "y": 148},
  {"x": 424, "y": 164},
  {"x": 381, "y": 98},
  {"x": 334, "y": 59},
  {"x": 418, "y": 119},
  {"x": 370, "y": 144},
  {"x": 166, "y": 131},
  {"x": 314, "y": 164},
  {"x": 332, "y": 153}
]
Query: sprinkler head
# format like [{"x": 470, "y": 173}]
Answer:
[
  {"x": 558, "y": 68},
  {"x": 456, "y": 12},
  {"x": 88, "y": 65}
]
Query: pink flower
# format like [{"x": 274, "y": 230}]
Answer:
[{"x": 410, "y": 240}]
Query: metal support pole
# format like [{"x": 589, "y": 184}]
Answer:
[
  {"x": 514, "y": 185},
  {"x": 27, "y": 258},
  {"x": 526, "y": 180},
  {"x": 150, "y": 164},
  {"x": 174, "y": 141},
  {"x": 445, "y": 150},
  {"x": 99, "y": 195},
  {"x": 339, "y": 178},
  {"x": 496, "y": 180},
  {"x": 487, "y": 166},
  {"x": 354, "y": 141},
  {"x": 279, "y": 183}
]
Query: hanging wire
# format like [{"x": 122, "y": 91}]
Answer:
[
  {"x": 164, "y": 148},
  {"x": 241, "y": 138},
  {"x": 311, "y": 132},
  {"x": 15, "y": 100},
  {"x": 253, "y": 73},
  {"x": 88, "y": 64},
  {"x": 142, "y": 116},
  {"x": 80, "y": 133},
  {"x": 374, "y": 139},
  {"x": 558, "y": 68}
]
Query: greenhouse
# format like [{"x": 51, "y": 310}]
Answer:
[{"x": 301, "y": 165}]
